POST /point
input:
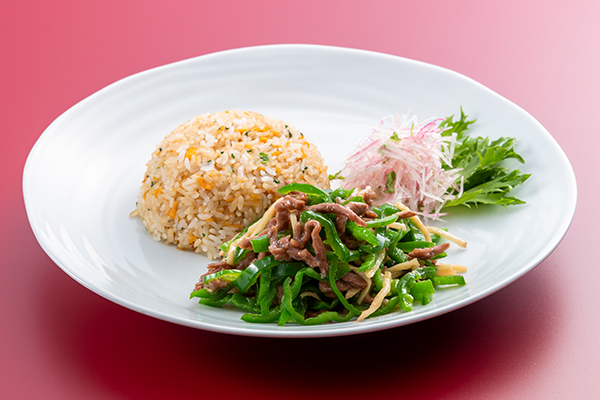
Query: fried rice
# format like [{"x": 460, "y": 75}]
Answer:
[{"x": 217, "y": 173}]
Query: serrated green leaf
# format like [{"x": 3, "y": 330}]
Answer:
[
  {"x": 480, "y": 161},
  {"x": 459, "y": 127}
]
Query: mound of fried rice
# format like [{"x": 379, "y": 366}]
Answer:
[{"x": 217, "y": 173}]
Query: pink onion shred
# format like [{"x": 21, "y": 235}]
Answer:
[{"x": 414, "y": 151}]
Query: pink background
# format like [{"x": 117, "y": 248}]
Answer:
[{"x": 536, "y": 339}]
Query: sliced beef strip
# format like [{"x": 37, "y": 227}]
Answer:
[
  {"x": 217, "y": 284},
  {"x": 247, "y": 260},
  {"x": 282, "y": 250},
  {"x": 217, "y": 266},
  {"x": 297, "y": 237},
  {"x": 340, "y": 224},
  {"x": 349, "y": 281},
  {"x": 358, "y": 208},
  {"x": 368, "y": 195},
  {"x": 245, "y": 244},
  {"x": 299, "y": 196},
  {"x": 362, "y": 209},
  {"x": 334, "y": 208},
  {"x": 406, "y": 214},
  {"x": 302, "y": 233},
  {"x": 320, "y": 251},
  {"x": 429, "y": 252},
  {"x": 354, "y": 280},
  {"x": 283, "y": 209}
]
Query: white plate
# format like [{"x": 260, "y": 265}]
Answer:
[{"x": 83, "y": 175}]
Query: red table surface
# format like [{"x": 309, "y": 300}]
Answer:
[{"x": 535, "y": 339}]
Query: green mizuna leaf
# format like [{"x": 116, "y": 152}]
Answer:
[{"x": 484, "y": 177}]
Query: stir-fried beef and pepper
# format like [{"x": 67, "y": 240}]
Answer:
[{"x": 320, "y": 255}]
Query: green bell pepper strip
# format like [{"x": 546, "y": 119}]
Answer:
[
  {"x": 260, "y": 244},
  {"x": 299, "y": 318},
  {"x": 263, "y": 289},
  {"x": 205, "y": 293},
  {"x": 215, "y": 302},
  {"x": 361, "y": 233},
  {"x": 407, "y": 247},
  {"x": 299, "y": 278},
  {"x": 356, "y": 199},
  {"x": 407, "y": 281},
  {"x": 272, "y": 316},
  {"x": 236, "y": 299},
  {"x": 387, "y": 239},
  {"x": 387, "y": 308},
  {"x": 226, "y": 275},
  {"x": 378, "y": 280},
  {"x": 332, "y": 274},
  {"x": 338, "y": 247},
  {"x": 422, "y": 291},
  {"x": 300, "y": 305},
  {"x": 372, "y": 260},
  {"x": 250, "y": 275},
  {"x": 265, "y": 303},
  {"x": 284, "y": 317},
  {"x": 288, "y": 269},
  {"x": 388, "y": 209},
  {"x": 449, "y": 280},
  {"x": 394, "y": 252},
  {"x": 308, "y": 189},
  {"x": 245, "y": 303},
  {"x": 343, "y": 269},
  {"x": 397, "y": 255},
  {"x": 341, "y": 193},
  {"x": 382, "y": 243},
  {"x": 385, "y": 221},
  {"x": 225, "y": 246},
  {"x": 354, "y": 255},
  {"x": 239, "y": 255},
  {"x": 322, "y": 305}
]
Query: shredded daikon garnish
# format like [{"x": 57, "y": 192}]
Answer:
[{"x": 402, "y": 160}]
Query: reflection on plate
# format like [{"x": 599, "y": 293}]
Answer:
[{"x": 83, "y": 175}]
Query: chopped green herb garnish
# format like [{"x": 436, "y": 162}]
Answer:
[
  {"x": 390, "y": 181},
  {"x": 335, "y": 176},
  {"x": 264, "y": 157}
]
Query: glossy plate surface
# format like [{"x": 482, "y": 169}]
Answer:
[{"x": 83, "y": 175}]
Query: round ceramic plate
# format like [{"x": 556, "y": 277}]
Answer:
[{"x": 83, "y": 175}]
